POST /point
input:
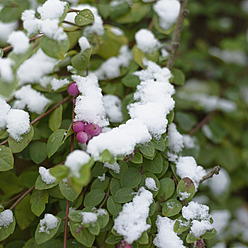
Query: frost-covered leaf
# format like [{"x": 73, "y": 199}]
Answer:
[
  {"x": 6, "y": 159},
  {"x": 181, "y": 225},
  {"x": 171, "y": 207},
  {"x": 40, "y": 185},
  {"x": 84, "y": 17},
  {"x": 185, "y": 189},
  {"x": 38, "y": 201}
]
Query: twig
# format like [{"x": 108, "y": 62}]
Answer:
[
  {"x": 177, "y": 34},
  {"x": 204, "y": 121},
  {"x": 26, "y": 193},
  {"x": 43, "y": 115},
  {"x": 107, "y": 196},
  {"x": 9, "y": 48},
  {"x": 12, "y": 199},
  {"x": 66, "y": 223},
  {"x": 73, "y": 10},
  {"x": 215, "y": 171},
  {"x": 73, "y": 24}
]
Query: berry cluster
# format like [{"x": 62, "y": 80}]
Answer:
[{"x": 84, "y": 131}]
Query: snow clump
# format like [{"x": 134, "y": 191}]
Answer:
[
  {"x": 58, "y": 83},
  {"x": 6, "y": 71},
  {"x": 19, "y": 41},
  {"x": 46, "y": 177},
  {"x": 6, "y": 218},
  {"x": 83, "y": 43},
  {"x": 4, "y": 110},
  {"x": 48, "y": 223},
  {"x": 114, "y": 167},
  {"x": 151, "y": 184}
]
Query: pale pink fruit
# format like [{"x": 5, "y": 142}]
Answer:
[
  {"x": 73, "y": 89},
  {"x": 81, "y": 137},
  {"x": 92, "y": 129},
  {"x": 78, "y": 126}
]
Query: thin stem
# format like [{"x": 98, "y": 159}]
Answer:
[
  {"x": 204, "y": 121},
  {"x": 26, "y": 193},
  {"x": 73, "y": 24},
  {"x": 214, "y": 171},
  {"x": 107, "y": 196},
  {"x": 12, "y": 199},
  {"x": 66, "y": 223},
  {"x": 73, "y": 10},
  {"x": 177, "y": 34}
]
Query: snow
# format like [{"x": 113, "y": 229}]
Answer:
[
  {"x": 17, "y": 123},
  {"x": 4, "y": 110},
  {"x": 221, "y": 220},
  {"x": 59, "y": 83},
  {"x": 120, "y": 140},
  {"x": 219, "y": 184},
  {"x": 89, "y": 105},
  {"x": 102, "y": 178},
  {"x": 151, "y": 184},
  {"x": 199, "y": 215},
  {"x": 19, "y": 41},
  {"x": 207, "y": 131},
  {"x": 6, "y": 29},
  {"x": 29, "y": 21},
  {"x": 166, "y": 237},
  {"x": 48, "y": 223},
  {"x": 83, "y": 43},
  {"x": 91, "y": 217},
  {"x": 46, "y": 177},
  {"x": 220, "y": 245},
  {"x": 183, "y": 195},
  {"x": 34, "y": 100},
  {"x": 131, "y": 221},
  {"x": 114, "y": 167},
  {"x": 75, "y": 160},
  {"x": 6, "y": 71},
  {"x": 52, "y": 9},
  {"x": 146, "y": 41},
  {"x": 34, "y": 68},
  {"x": 188, "y": 141},
  {"x": 117, "y": 31},
  {"x": 175, "y": 139},
  {"x": 6, "y": 218},
  {"x": 112, "y": 105},
  {"x": 167, "y": 11},
  {"x": 187, "y": 167},
  {"x": 110, "y": 68}
]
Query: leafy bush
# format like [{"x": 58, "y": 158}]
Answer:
[{"x": 62, "y": 183}]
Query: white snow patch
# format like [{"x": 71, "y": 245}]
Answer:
[
  {"x": 91, "y": 217},
  {"x": 102, "y": 178},
  {"x": 48, "y": 223},
  {"x": 151, "y": 184},
  {"x": 6, "y": 218},
  {"x": 59, "y": 83},
  {"x": 34, "y": 68},
  {"x": 46, "y": 177},
  {"x": 19, "y": 41},
  {"x": 183, "y": 195},
  {"x": 6, "y": 29},
  {"x": 6, "y": 71},
  {"x": 146, "y": 41},
  {"x": 34, "y": 100},
  {"x": 112, "y": 105},
  {"x": 175, "y": 139},
  {"x": 29, "y": 21},
  {"x": 117, "y": 31},
  {"x": 83, "y": 43},
  {"x": 131, "y": 221},
  {"x": 17, "y": 123},
  {"x": 221, "y": 220},
  {"x": 166, "y": 236},
  {"x": 89, "y": 106},
  {"x": 187, "y": 167},
  {"x": 167, "y": 11},
  {"x": 188, "y": 141},
  {"x": 4, "y": 110},
  {"x": 114, "y": 167},
  {"x": 220, "y": 245},
  {"x": 120, "y": 140},
  {"x": 75, "y": 160}
]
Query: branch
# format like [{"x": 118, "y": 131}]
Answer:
[
  {"x": 107, "y": 196},
  {"x": 26, "y": 193},
  {"x": 43, "y": 115},
  {"x": 9, "y": 48},
  {"x": 66, "y": 223},
  {"x": 177, "y": 34},
  {"x": 215, "y": 171},
  {"x": 73, "y": 24},
  {"x": 204, "y": 121}
]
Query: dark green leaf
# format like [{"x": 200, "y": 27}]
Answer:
[
  {"x": 112, "y": 239},
  {"x": 185, "y": 189},
  {"x": 55, "y": 141},
  {"x": 113, "y": 207},
  {"x": 38, "y": 152},
  {"x": 55, "y": 118},
  {"x": 6, "y": 231},
  {"x": 130, "y": 178},
  {"x": 94, "y": 197},
  {"x": 181, "y": 225},
  {"x": 68, "y": 191},
  {"x": 137, "y": 158},
  {"x": 171, "y": 207},
  {"x": 155, "y": 165},
  {"x": 179, "y": 77},
  {"x": 81, "y": 60},
  {"x": 6, "y": 159},
  {"x": 209, "y": 234},
  {"x": 167, "y": 188},
  {"x": 40, "y": 185},
  {"x": 148, "y": 150},
  {"x": 124, "y": 195},
  {"x": 38, "y": 201}
]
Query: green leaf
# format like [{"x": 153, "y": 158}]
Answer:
[
  {"x": 105, "y": 156},
  {"x": 82, "y": 235},
  {"x": 94, "y": 228},
  {"x": 114, "y": 185},
  {"x": 209, "y": 234},
  {"x": 40, "y": 185},
  {"x": 76, "y": 216},
  {"x": 130, "y": 178},
  {"x": 38, "y": 152},
  {"x": 144, "y": 238},
  {"x": 185, "y": 189},
  {"x": 83, "y": 179},
  {"x": 1, "y": 53},
  {"x": 159, "y": 144},
  {"x": 18, "y": 146},
  {"x": 113, "y": 207},
  {"x": 55, "y": 141},
  {"x": 157, "y": 25},
  {"x": 181, "y": 225},
  {"x": 155, "y": 165},
  {"x": 190, "y": 238},
  {"x": 137, "y": 158},
  {"x": 97, "y": 184},
  {"x": 112, "y": 239},
  {"x": 167, "y": 188},
  {"x": 7, "y": 88},
  {"x": 94, "y": 197},
  {"x": 23, "y": 213},
  {"x": 124, "y": 195},
  {"x": 148, "y": 150},
  {"x": 53, "y": 48},
  {"x": 130, "y": 80},
  {"x": 55, "y": 118},
  {"x": 179, "y": 77},
  {"x": 38, "y": 201},
  {"x": 6, "y": 231},
  {"x": 42, "y": 237},
  {"x": 6, "y": 159},
  {"x": 171, "y": 207},
  {"x": 9, "y": 14},
  {"x": 103, "y": 219},
  {"x": 138, "y": 56},
  {"x": 68, "y": 191},
  {"x": 81, "y": 60},
  {"x": 84, "y": 17},
  {"x": 59, "y": 171}
]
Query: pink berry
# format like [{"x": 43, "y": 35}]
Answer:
[
  {"x": 78, "y": 126},
  {"x": 92, "y": 129},
  {"x": 73, "y": 89},
  {"x": 81, "y": 137}
]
